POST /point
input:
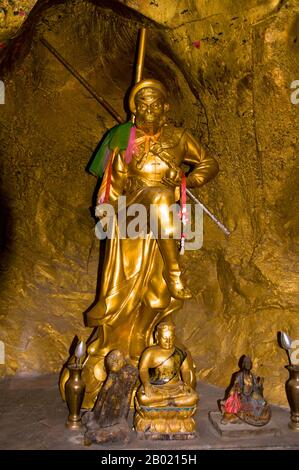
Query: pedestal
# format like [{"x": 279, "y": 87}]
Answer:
[
  {"x": 167, "y": 423},
  {"x": 241, "y": 429}
]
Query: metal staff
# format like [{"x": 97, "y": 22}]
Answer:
[
  {"x": 206, "y": 210},
  {"x": 83, "y": 82},
  {"x": 140, "y": 60},
  {"x": 141, "y": 55}
]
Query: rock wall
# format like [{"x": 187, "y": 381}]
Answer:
[{"x": 229, "y": 66}]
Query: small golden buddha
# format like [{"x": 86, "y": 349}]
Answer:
[{"x": 166, "y": 399}]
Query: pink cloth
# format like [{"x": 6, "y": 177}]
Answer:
[
  {"x": 233, "y": 403},
  {"x": 131, "y": 144}
]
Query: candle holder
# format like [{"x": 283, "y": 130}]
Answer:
[{"x": 74, "y": 394}]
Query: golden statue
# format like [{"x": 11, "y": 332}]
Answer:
[
  {"x": 141, "y": 281},
  {"x": 166, "y": 399}
]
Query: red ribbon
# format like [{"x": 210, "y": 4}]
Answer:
[
  {"x": 147, "y": 139},
  {"x": 183, "y": 212},
  {"x": 183, "y": 193},
  {"x": 108, "y": 181}
]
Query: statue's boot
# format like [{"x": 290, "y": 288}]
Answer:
[
  {"x": 172, "y": 273},
  {"x": 176, "y": 286}
]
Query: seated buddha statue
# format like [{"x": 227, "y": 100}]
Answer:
[{"x": 166, "y": 399}]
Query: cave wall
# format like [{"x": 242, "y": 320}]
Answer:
[{"x": 228, "y": 66}]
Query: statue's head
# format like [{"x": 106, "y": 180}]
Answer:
[
  {"x": 115, "y": 360},
  {"x": 148, "y": 102},
  {"x": 165, "y": 335},
  {"x": 246, "y": 363}
]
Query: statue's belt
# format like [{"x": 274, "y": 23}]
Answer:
[{"x": 138, "y": 182}]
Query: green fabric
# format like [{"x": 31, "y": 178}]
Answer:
[
  {"x": 117, "y": 137},
  {"x": 120, "y": 138}
]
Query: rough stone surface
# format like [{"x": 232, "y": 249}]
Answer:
[
  {"x": 156, "y": 436},
  {"x": 33, "y": 417},
  {"x": 120, "y": 433},
  {"x": 232, "y": 91}
]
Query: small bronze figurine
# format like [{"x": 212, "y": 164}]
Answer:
[
  {"x": 245, "y": 401},
  {"x": 108, "y": 421}
]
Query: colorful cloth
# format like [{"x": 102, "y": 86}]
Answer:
[{"x": 117, "y": 139}]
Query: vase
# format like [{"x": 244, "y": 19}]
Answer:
[
  {"x": 74, "y": 394},
  {"x": 292, "y": 390}
]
